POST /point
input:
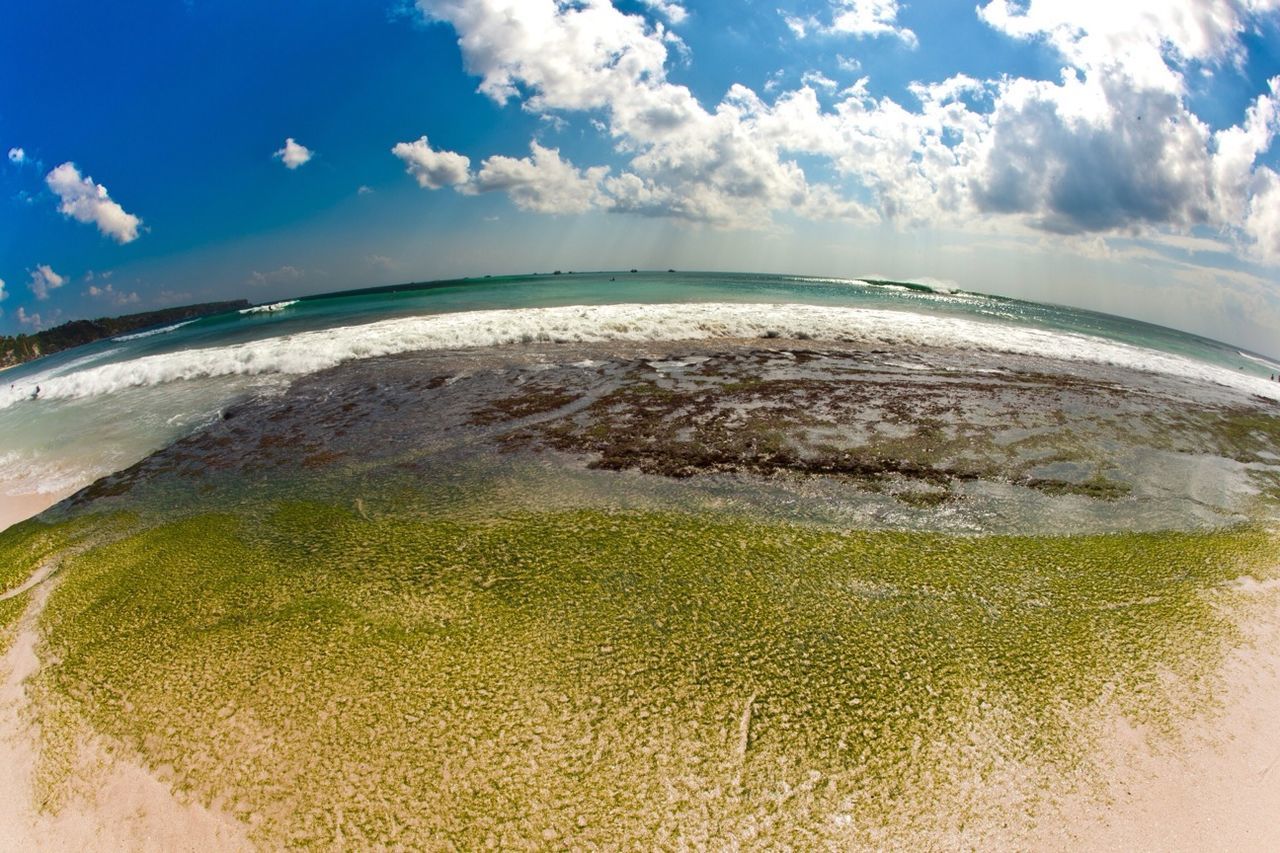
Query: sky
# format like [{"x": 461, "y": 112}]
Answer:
[{"x": 1112, "y": 154}]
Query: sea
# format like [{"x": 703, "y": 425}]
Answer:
[{"x": 75, "y": 416}]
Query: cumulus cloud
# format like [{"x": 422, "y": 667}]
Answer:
[
  {"x": 541, "y": 182},
  {"x": 818, "y": 80},
  {"x": 3, "y": 294},
  {"x": 1148, "y": 41},
  {"x": 869, "y": 18},
  {"x": 669, "y": 9},
  {"x": 859, "y": 18},
  {"x": 800, "y": 27},
  {"x": 294, "y": 154},
  {"x": 1141, "y": 159},
  {"x": 433, "y": 169},
  {"x": 110, "y": 294},
  {"x": 26, "y": 319},
  {"x": 285, "y": 273},
  {"x": 17, "y": 155},
  {"x": 43, "y": 280},
  {"x": 1110, "y": 146},
  {"x": 1262, "y": 221},
  {"x": 87, "y": 201}
]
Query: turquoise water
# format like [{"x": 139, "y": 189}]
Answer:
[
  {"x": 106, "y": 405},
  {"x": 362, "y": 306}
]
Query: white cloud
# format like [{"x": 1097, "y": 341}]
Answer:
[
  {"x": 863, "y": 18},
  {"x": 1145, "y": 40},
  {"x": 858, "y": 18},
  {"x": 669, "y": 9},
  {"x": 364, "y": 189},
  {"x": 3, "y": 294},
  {"x": 382, "y": 262},
  {"x": 818, "y": 80},
  {"x": 43, "y": 280},
  {"x": 848, "y": 64},
  {"x": 285, "y": 273},
  {"x": 17, "y": 155},
  {"x": 431, "y": 168},
  {"x": 26, "y": 319},
  {"x": 800, "y": 27},
  {"x": 1111, "y": 147},
  {"x": 1262, "y": 222},
  {"x": 87, "y": 201},
  {"x": 110, "y": 294},
  {"x": 171, "y": 297},
  {"x": 542, "y": 182},
  {"x": 294, "y": 154}
]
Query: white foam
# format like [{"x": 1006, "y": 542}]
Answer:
[
  {"x": 936, "y": 285},
  {"x": 308, "y": 352},
  {"x": 76, "y": 363},
  {"x": 269, "y": 309},
  {"x": 152, "y": 332},
  {"x": 1271, "y": 365},
  {"x": 25, "y": 474}
]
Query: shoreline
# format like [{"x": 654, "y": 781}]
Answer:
[
  {"x": 1222, "y": 792},
  {"x": 18, "y": 508},
  {"x": 877, "y": 440}
]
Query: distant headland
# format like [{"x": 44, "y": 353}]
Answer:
[{"x": 17, "y": 349}]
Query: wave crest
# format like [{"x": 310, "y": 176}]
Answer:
[
  {"x": 269, "y": 309},
  {"x": 309, "y": 352}
]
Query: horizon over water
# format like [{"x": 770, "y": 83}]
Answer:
[{"x": 106, "y": 405}]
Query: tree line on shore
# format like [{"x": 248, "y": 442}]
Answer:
[{"x": 16, "y": 349}]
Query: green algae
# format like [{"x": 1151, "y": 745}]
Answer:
[
  {"x": 11, "y": 610},
  {"x": 585, "y": 677},
  {"x": 27, "y": 546}
]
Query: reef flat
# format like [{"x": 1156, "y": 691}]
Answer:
[{"x": 662, "y": 595}]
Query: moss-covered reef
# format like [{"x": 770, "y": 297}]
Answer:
[
  {"x": 944, "y": 441},
  {"x": 10, "y": 611},
  {"x": 25, "y": 549},
  {"x": 625, "y": 679}
]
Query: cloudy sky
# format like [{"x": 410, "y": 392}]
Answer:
[{"x": 1115, "y": 154}]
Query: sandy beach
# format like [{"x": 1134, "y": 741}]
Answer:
[
  {"x": 15, "y": 508},
  {"x": 558, "y": 430},
  {"x": 1221, "y": 792}
]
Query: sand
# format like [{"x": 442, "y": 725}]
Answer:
[
  {"x": 15, "y": 508},
  {"x": 116, "y": 804},
  {"x": 1220, "y": 792}
]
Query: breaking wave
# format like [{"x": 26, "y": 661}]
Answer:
[
  {"x": 152, "y": 332},
  {"x": 1271, "y": 365},
  {"x": 308, "y": 352},
  {"x": 269, "y": 309}
]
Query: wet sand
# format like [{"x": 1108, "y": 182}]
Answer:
[
  {"x": 1221, "y": 791},
  {"x": 15, "y": 508}
]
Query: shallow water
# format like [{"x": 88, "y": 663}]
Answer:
[{"x": 104, "y": 406}]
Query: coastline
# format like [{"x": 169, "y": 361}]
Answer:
[
  {"x": 590, "y": 424},
  {"x": 18, "y": 508}
]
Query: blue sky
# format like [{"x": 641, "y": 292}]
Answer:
[{"x": 1116, "y": 156}]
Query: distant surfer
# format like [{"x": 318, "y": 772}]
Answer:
[{"x": 36, "y": 393}]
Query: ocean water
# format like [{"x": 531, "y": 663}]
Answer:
[{"x": 104, "y": 406}]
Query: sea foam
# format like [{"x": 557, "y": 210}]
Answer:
[
  {"x": 150, "y": 333},
  {"x": 269, "y": 309},
  {"x": 308, "y": 352}
]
